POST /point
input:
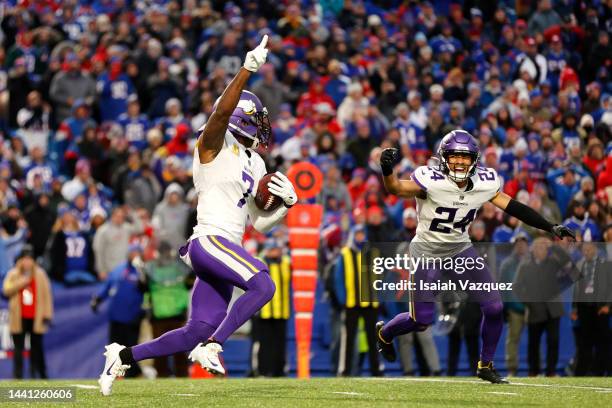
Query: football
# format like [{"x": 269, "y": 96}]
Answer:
[{"x": 264, "y": 199}]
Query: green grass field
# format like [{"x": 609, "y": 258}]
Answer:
[{"x": 333, "y": 392}]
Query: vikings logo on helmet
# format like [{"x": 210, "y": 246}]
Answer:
[
  {"x": 248, "y": 106},
  {"x": 458, "y": 142},
  {"x": 250, "y": 120}
]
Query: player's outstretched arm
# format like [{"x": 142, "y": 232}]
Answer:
[
  {"x": 211, "y": 138},
  {"x": 402, "y": 188},
  {"x": 529, "y": 216}
]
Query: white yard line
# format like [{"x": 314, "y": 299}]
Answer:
[
  {"x": 347, "y": 393},
  {"x": 448, "y": 380},
  {"x": 423, "y": 379},
  {"x": 579, "y": 387},
  {"x": 84, "y": 386},
  {"x": 502, "y": 393},
  {"x": 184, "y": 395}
]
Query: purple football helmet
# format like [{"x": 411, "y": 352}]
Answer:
[
  {"x": 458, "y": 141},
  {"x": 250, "y": 120}
]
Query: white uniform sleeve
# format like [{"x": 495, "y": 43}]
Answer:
[
  {"x": 265, "y": 221},
  {"x": 426, "y": 177},
  {"x": 492, "y": 183}
]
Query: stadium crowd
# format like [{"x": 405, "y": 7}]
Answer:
[{"x": 100, "y": 102}]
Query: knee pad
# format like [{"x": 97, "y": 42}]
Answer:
[
  {"x": 262, "y": 283},
  {"x": 492, "y": 309}
]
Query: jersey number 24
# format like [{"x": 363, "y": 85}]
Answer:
[{"x": 436, "y": 223}]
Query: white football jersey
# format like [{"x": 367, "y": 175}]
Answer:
[
  {"x": 445, "y": 215},
  {"x": 223, "y": 186}
]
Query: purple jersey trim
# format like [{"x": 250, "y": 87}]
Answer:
[{"x": 413, "y": 176}]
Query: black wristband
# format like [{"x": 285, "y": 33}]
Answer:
[{"x": 528, "y": 215}]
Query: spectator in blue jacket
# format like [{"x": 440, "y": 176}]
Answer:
[
  {"x": 563, "y": 184},
  {"x": 125, "y": 287},
  {"x": 579, "y": 220},
  {"x": 114, "y": 88}
]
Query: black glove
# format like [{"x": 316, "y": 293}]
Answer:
[
  {"x": 95, "y": 302},
  {"x": 388, "y": 159},
  {"x": 561, "y": 231}
]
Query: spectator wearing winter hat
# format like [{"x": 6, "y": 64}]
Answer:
[
  {"x": 135, "y": 124},
  {"x": 70, "y": 85},
  {"x": 170, "y": 216},
  {"x": 110, "y": 243},
  {"x": 114, "y": 88},
  {"x": 409, "y": 224},
  {"x": 71, "y": 253},
  {"x": 79, "y": 182},
  {"x": 353, "y": 100},
  {"x": 569, "y": 132},
  {"x": 587, "y": 190},
  {"x": 579, "y": 220},
  {"x": 535, "y": 110},
  {"x": 174, "y": 116},
  {"x": 34, "y": 121},
  {"x": 30, "y": 311}
]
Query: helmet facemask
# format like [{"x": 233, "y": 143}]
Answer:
[
  {"x": 264, "y": 129},
  {"x": 454, "y": 175},
  {"x": 251, "y": 124}
]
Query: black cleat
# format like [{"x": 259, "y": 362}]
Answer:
[
  {"x": 488, "y": 373},
  {"x": 386, "y": 349}
]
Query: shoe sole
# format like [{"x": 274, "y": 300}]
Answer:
[
  {"x": 493, "y": 382},
  {"x": 214, "y": 372},
  {"x": 102, "y": 392},
  {"x": 211, "y": 370}
]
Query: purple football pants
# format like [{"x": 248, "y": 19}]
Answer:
[
  {"x": 422, "y": 309},
  {"x": 219, "y": 265}
]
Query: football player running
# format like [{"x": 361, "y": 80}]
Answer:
[
  {"x": 448, "y": 197},
  {"x": 226, "y": 172}
]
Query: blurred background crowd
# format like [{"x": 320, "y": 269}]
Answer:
[{"x": 100, "y": 101}]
